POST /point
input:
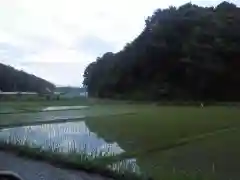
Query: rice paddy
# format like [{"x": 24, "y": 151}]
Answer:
[{"x": 163, "y": 142}]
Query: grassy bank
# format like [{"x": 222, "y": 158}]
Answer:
[
  {"x": 72, "y": 160},
  {"x": 87, "y": 163},
  {"x": 37, "y": 105}
]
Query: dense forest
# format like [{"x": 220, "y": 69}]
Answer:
[
  {"x": 184, "y": 53},
  {"x": 14, "y": 80}
]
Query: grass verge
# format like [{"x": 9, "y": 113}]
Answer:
[{"x": 72, "y": 160}]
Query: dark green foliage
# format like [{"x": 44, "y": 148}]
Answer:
[
  {"x": 185, "y": 53},
  {"x": 14, "y": 80},
  {"x": 70, "y": 89}
]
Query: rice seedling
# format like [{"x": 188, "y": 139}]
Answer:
[{"x": 73, "y": 159}]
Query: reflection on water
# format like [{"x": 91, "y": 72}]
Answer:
[
  {"x": 63, "y": 136},
  {"x": 54, "y": 108}
]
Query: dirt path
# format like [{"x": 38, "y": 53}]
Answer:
[{"x": 33, "y": 170}]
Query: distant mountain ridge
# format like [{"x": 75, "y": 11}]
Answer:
[{"x": 12, "y": 79}]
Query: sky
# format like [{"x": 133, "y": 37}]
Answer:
[{"x": 57, "y": 39}]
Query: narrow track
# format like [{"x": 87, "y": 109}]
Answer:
[{"x": 34, "y": 170}]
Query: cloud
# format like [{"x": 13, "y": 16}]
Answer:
[
  {"x": 56, "y": 39},
  {"x": 94, "y": 45},
  {"x": 70, "y": 72},
  {"x": 10, "y": 52}
]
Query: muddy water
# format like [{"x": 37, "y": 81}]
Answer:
[{"x": 63, "y": 136}]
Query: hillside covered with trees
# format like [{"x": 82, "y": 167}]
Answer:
[
  {"x": 185, "y": 53},
  {"x": 14, "y": 80}
]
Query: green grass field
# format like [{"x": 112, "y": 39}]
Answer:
[
  {"x": 154, "y": 134},
  {"x": 169, "y": 142}
]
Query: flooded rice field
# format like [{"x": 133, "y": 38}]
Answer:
[
  {"x": 41, "y": 116},
  {"x": 60, "y": 129},
  {"x": 65, "y": 137},
  {"x": 59, "y": 108},
  {"x": 12, "y": 110}
]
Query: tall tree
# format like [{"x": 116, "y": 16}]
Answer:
[
  {"x": 189, "y": 52},
  {"x": 14, "y": 80}
]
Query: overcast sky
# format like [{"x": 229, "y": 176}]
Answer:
[{"x": 57, "y": 39}]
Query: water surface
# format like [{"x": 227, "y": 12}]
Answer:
[
  {"x": 42, "y": 116},
  {"x": 58, "y": 108},
  {"x": 65, "y": 137}
]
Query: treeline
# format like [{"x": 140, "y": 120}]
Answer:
[
  {"x": 66, "y": 89},
  {"x": 14, "y": 80},
  {"x": 185, "y": 53}
]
